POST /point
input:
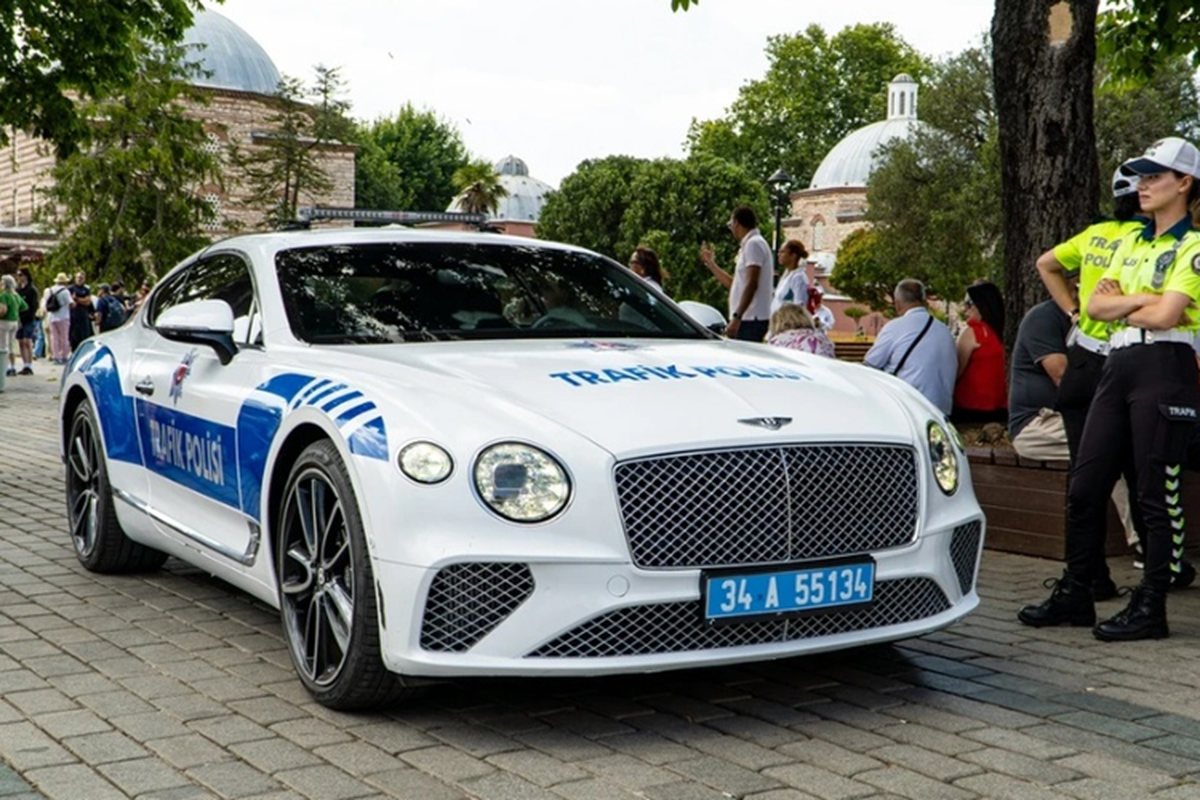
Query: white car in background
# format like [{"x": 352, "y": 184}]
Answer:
[{"x": 451, "y": 454}]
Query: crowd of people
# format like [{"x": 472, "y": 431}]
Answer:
[{"x": 53, "y": 322}]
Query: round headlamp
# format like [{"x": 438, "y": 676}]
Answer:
[
  {"x": 520, "y": 482},
  {"x": 425, "y": 462},
  {"x": 942, "y": 457}
]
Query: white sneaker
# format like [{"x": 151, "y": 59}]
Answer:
[{"x": 1139, "y": 560}]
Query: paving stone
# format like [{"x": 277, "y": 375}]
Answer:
[
  {"x": 229, "y": 730},
  {"x": 1116, "y": 771},
  {"x": 1020, "y": 742},
  {"x": 27, "y": 748},
  {"x": 843, "y": 735},
  {"x": 73, "y": 782},
  {"x": 1019, "y": 766},
  {"x": 628, "y": 771},
  {"x": 184, "y": 752},
  {"x": 447, "y": 763},
  {"x": 502, "y": 786},
  {"x": 537, "y": 767},
  {"x": 411, "y": 784},
  {"x": 143, "y": 775},
  {"x": 324, "y": 781},
  {"x": 564, "y": 745},
  {"x": 651, "y": 748},
  {"x": 101, "y": 748},
  {"x": 724, "y": 776},
  {"x": 390, "y": 737},
  {"x": 71, "y": 723},
  {"x": 832, "y": 757},
  {"x": 819, "y": 782},
  {"x": 907, "y": 783},
  {"x": 356, "y": 758},
  {"x": 593, "y": 789},
  {"x": 233, "y": 779}
]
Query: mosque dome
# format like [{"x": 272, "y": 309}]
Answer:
[
  {"x": 526, "y": 194},
  {"x": 851, "y": 160},
  {"x": 229, "y": 57}
]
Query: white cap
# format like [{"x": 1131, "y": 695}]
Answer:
[
  {"x": 1171, "y": 153},
  {"x": 1124, "y": 182}
]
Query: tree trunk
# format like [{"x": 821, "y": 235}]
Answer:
[{"x": 1044, "y": 54}]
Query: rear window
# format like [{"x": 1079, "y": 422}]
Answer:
[{"x": 403, "y": 292}]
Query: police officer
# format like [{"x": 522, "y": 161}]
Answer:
[
  {"x": 1089, "y": 252},
  {"x": 1147, "y": 400}
]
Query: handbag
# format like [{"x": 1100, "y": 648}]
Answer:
[{"x": 911, "y": 347}]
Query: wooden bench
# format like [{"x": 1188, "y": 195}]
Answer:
[
  {"x": 851, "y": 349},
  {"x": 1025, "y": 503}
]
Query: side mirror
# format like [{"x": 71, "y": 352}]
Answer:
[{"x": 206, "y": 322}]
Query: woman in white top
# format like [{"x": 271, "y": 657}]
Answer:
[
  {"x": 792, "y": 286},
  {"x": 59, "y": 318}
]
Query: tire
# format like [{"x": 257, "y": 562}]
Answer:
[
  {"x": 327, "y": 589},
  {"x": 100, "y": 544}
]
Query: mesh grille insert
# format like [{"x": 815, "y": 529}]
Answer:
[
  {"x": 679, "y": 627},
  {"x": 467, "y": 601},
  {"x": 767, "y": 505},
  {"x": 964, "y": 547}
]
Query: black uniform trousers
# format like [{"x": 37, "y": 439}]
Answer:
[
  {"x": 1145, "y": 407},
  {"x": 1075, "y": 392}
]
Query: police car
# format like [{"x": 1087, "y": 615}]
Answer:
[{"x": 450, "y": 454}]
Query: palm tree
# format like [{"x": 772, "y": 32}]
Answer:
[{"x": 479, "y": 188}]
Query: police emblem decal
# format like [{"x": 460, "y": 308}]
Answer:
[
  {"x": 1196, "y": 265},
  {"x": 181, "y": 372}
]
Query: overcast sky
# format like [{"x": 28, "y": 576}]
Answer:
[{"x": 558, "y": 81}]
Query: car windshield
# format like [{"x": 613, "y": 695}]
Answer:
[{"x": 435, "y": 291}]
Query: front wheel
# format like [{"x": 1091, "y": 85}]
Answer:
[
  {"x": 326, "y": 587},
  {"x": 100, "y": 544}
]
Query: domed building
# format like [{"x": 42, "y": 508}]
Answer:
[
  {"x": 240, "y": 80},
  {"x": 518, "y": 211},
  {"x": 833, "y": 205}
]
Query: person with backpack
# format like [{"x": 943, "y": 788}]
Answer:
[
  {"x": 57, "y": 302},
  {"x": 109, "y": 310}
]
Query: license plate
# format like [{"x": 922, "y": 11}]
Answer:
[{"x": 738, "y": 596}]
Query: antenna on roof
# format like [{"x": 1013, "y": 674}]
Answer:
[{"x": 309, "y": 214}]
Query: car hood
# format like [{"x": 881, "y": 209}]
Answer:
[{"x": 650, "y": 395}]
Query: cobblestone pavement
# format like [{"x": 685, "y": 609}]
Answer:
[{"x": 173, "y": 685}]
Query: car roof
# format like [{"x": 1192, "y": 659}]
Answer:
[{"x": 282, "y": 240}]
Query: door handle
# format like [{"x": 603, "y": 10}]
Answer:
[{"x": 145, "y": 386}]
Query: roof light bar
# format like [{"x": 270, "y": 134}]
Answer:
[{"x": 313, "y": 213}]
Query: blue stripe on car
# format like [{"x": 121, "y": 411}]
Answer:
[
  {"x": 113, "y": 407},
  {"x": 346, "y": 398},
  {"x": 191, "y": 451}
]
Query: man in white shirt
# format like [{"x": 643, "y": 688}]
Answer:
[
  {"x": 917, "y": 348},
  {"x": 750, "y": 286}
]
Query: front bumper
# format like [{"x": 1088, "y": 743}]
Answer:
[{"x": 546, "y": 617}]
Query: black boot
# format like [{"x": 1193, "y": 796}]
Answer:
[
  {"x": 1070, "y": 603},
  {"x": 1103, "y": 588},
  {"x": 1144, "y": 618}
]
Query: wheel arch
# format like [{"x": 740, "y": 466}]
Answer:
[
  {"x": 290, "y": 449},
  {"x": 76, "y": 396}
]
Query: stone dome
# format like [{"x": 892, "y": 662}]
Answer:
[
  {"x": 526, "y": 194},
  {"x": 851, "y": 160},
  {"x": 231, "y": 57}
]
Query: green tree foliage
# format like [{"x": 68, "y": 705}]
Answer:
[
  {"x": 407, "y": 162},
  {"x": 934, "y": 199},
  {"x": 128, "y": 205},
  {"x": 612, "y": 205},
  {"x": 816, "y": 90},
  {"x": 53, "y": 51},
  {"x": 287, "y": 161},
  {"x": 864, "y": 271},
  {"x": 1142, "y": 36},
  {"x": 588, "y": 207},
  {"x": 479, "y": 188},
  {"x": 1133, "y": 112}
]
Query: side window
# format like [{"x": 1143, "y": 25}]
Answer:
[{"x": 223, "y": 277}]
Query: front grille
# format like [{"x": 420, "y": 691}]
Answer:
[
  {"x": 964, "y": 548},
  {"x": 466, "y": 601},
  {"x": 767, "y": 505},
  {"x": 679, "y": 627}
]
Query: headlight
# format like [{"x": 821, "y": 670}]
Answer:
[
  {"x": 521, "y": 483},
  {"x": 425, "y": 462},
  {"x": 956, "y": 437},
  {"x": 943, "y": 458}
]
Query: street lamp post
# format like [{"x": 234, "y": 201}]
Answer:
[{"x": 779, "y": 182}]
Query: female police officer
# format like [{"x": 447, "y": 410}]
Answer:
[{"x": 1147, "y": 400}]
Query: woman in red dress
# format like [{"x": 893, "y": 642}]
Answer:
[{"x": 981, "y": 392}]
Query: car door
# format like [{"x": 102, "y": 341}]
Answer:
[{"x": 187, "y": 407}]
